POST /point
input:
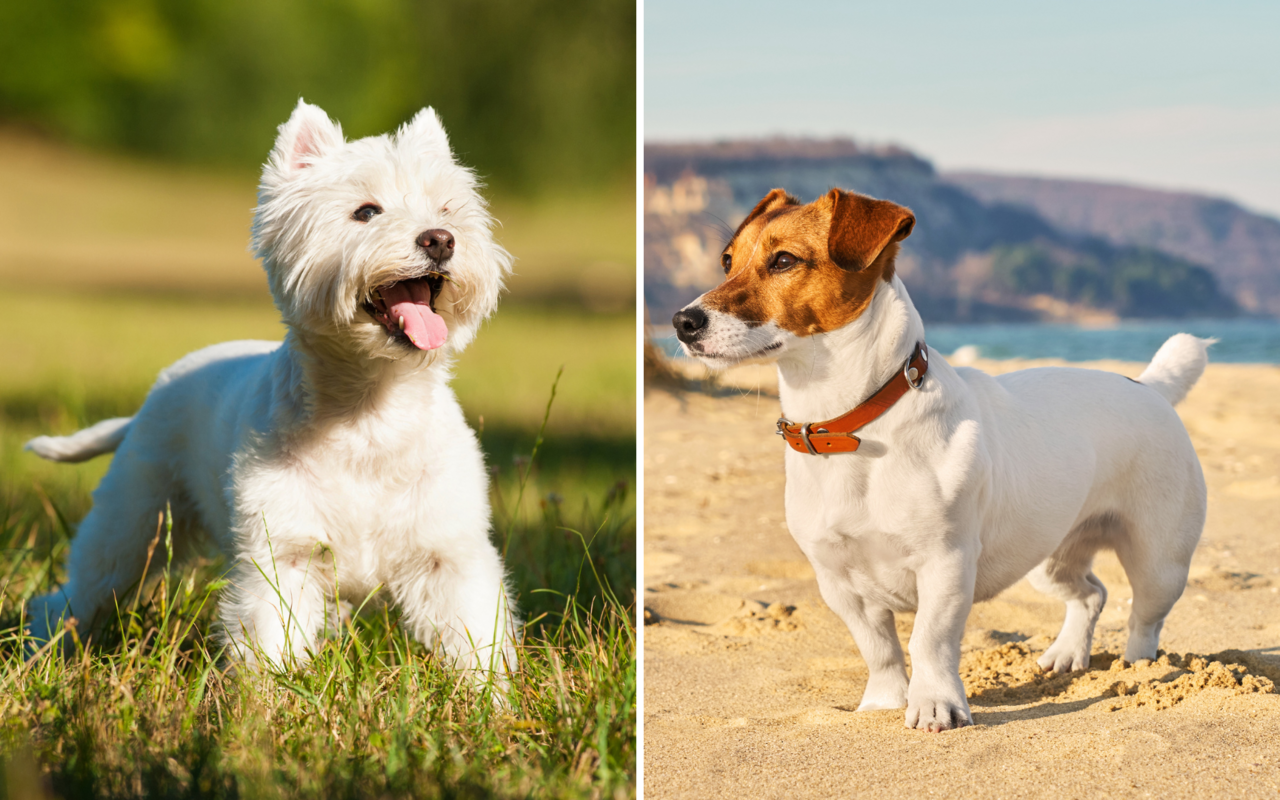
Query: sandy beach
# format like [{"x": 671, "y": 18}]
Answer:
[{"x": 751, "y": 682}]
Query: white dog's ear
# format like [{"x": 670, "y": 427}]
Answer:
[
  {"x": 425, "y": 134},
  {"x": 308, "y": 135}
]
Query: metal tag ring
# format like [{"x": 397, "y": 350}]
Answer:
[{"x": 914, "y": 379}]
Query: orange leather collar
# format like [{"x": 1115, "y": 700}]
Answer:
[{"x": 836, "y": 435}]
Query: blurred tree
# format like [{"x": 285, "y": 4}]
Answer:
[{"x": 538, "y": 95}]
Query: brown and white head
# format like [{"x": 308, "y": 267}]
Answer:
[{"x": 793, "y": 271}]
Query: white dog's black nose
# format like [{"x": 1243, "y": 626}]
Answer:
[
  {"x": 690, "y": 323},
  {"x": 438, "y": 244}
]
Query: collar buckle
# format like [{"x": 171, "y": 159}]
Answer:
[
  {"x": 784, "y": 423},
  {"x": 804, "y": 435}
]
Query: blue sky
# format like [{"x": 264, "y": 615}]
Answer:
[{"x": 1171, "y": 94}]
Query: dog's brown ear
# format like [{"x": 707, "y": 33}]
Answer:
[
  {"x": 862, "y": 227},
  {"x": 776, "y": 198}
]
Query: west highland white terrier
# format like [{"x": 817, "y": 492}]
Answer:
[{"x": 338, "y": 461}]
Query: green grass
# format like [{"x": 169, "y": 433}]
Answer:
[{"x": 148, "y": 706}]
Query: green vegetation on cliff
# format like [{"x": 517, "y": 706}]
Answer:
[{"x": 1132, "y": 282}]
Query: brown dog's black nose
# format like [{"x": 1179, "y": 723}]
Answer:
[
  {"x": 438, "y": 244},
  {"x": 690, "y": 323}
]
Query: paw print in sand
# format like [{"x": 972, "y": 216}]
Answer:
[{"x": 756, "y": 618}]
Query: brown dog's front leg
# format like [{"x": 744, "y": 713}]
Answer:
[
  {"x": 936, "y": 697},
  {"x": 874, "y": 631}
]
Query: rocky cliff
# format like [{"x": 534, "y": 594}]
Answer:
[
  {"x": 1241, "y": 248},
  {"x": 973, "y": 256}
]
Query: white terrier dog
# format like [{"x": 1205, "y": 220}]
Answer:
[
  {"x": 957, "y": 484},
  {"x": 338, "y": 461}
]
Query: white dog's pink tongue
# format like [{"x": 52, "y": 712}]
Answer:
[{"x": 411, "y": 301}]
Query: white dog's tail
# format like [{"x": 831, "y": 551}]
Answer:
[
  {"x": 83, "y": 445},
  {"x": 1178, "y": 364}
]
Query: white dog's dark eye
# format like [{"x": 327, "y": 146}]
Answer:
[
  {"x": 727, "y": 261},
  {"x": 367, "y": 212},
  {"x": 783, "y": 262}
]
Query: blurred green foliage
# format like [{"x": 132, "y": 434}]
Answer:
[
  {"x": 538, "y": 95},
  {"x": 1133, "y": 282}
]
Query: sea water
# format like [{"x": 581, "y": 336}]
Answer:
[{"x": 1239, "y": 340}]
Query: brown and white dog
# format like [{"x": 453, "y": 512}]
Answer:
[{"x": 957, "y": 484}]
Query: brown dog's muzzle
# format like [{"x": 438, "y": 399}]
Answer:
[{"x": 690, "y": 324}]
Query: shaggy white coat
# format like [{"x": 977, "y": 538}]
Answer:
[
  {"x": 338, "y": 461},
  {"x": 973, "y": 482}
]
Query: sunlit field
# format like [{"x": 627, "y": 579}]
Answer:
[{"x": 148, "y": 705}]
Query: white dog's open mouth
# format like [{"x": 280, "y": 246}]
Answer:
[{"x": 407, "y": 310}]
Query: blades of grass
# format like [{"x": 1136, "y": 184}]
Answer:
[
  {"x": 287, "y": 657},
  {"x": 300, "y": 690},
  {"x": 23, "y": 554},
  {"x": 524, "y": 479},
  {"x": 36, "y": 656},
  {"x": 58, "y": 521},
  {"x": 165, "y": 604},
  {"x": 201, "y": 684},
  {"x": 193, "y": 615},
  {"x": 604, "y": 712},
  {"x": 151, "y": 550},
  {"x": 51, "y": 509},
  {"x": 440, "y": 735}
]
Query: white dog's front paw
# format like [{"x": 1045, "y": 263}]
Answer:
[
  {"x": 1065, "y": 658},
  {"x": 884, "y": 693},
  {"x": 46, "y": 617},
  {"x": 938, "y": 710}
]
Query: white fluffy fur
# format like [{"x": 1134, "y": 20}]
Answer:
[
  {"x": 973, "y": 482},
  {"x": 339, "y": 461}
]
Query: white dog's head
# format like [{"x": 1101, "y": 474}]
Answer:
[{"x": 383, "y": 244}]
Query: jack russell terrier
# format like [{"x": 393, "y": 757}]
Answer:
[{"x": 956, "y": 483}]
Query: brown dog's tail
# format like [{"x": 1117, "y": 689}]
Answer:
[
  {"x": 1177, "y": 366},
  {"x": 83, "y": 445}
]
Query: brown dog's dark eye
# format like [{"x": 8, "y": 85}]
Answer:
[
  {"x": 783, "y": 262},
  {"x": 367, "y": 212},
  {"x": 727, "y": 261}
]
